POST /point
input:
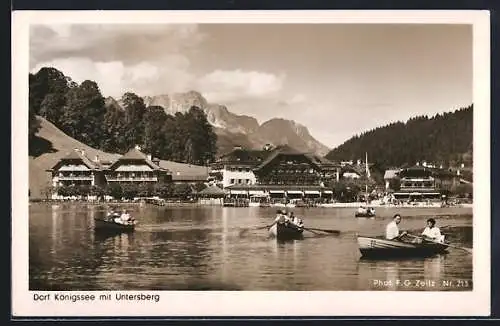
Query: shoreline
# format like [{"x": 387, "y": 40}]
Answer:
[{"x": 196, "y": 204}]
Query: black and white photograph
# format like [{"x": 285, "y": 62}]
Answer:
[{"x": 242, "y": 157}]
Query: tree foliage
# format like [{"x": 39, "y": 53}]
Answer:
[
  {"x": 444, "y": 139},
  {"x": 81, "y": 112}
]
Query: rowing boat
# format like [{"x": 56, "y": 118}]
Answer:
[
  {"x": 111, "y": 225},
  {"x": 286, "y": 231},
  {"x": 380, "y": 247},
  {"x": 367, "y": 214}
]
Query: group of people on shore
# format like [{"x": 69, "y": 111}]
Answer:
[
  {"x": 430, "y": 233},
  {"x": 290, "y": 218}
]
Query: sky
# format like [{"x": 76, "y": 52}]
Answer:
[{"x": 338, "y": 80}]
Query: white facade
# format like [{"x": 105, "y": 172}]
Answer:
[
  {"x": 237, "y": 176},
  {"x": 73, "y": 173}
]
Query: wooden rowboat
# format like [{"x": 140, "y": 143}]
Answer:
[
  {"x": 367, "y": 214},
  {"x": 286, "y": 231},
  {"x": 112, "y": 226},
  {"x": 381, "y": 248},
  {"x": 370, "y": 212}
]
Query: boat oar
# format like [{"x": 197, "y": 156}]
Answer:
[
  {"x": 468, "y": 250},
  {"x": 243, "y": 231},
  {"x": 322, "y": 230},
  {"x": 312, "y": 231}
]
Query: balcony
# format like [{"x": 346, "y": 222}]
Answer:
[
  {"x": 132, "y": 179},
  {"x": 75, "y": 178},
  {"x": 419, "y": 189}
]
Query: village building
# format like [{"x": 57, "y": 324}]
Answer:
[
  {"x": 422, "y": 181},
  {"x": 280, "y": 174},
  {"x": 76, "y": 169},
  {"x": 136, "y": 167}
]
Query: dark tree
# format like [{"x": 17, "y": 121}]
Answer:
[{"x": 445, "y": 139}]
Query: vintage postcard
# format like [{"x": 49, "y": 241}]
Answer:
[{"x": 265, "y": 163}]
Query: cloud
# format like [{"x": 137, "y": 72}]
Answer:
[
  {"x": 115, "y": 78},
  {"x": 129, "y": 43},
  {"x": 232, "y": 85}
]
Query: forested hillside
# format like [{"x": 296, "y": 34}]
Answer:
[
  {"x": 80, "y": 111},
  {"x": 442, "y": 139}
]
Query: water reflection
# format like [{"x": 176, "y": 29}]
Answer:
[
  {"x": 200, "y": 248},
  {"x": 402, "y": 274}
]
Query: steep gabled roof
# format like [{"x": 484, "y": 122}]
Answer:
[
  {"x": 212, "y": 190},
  {"x": 77, "y": 155},
  {"x": 390, "y": 174},
  {"x": 244, "y": 156},
  {"x": 286, "y": 150},
  {"x": 136, "y": 155}
]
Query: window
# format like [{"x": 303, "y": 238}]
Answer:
[
  {"x": 231, "y": 181},
  {"x": 239, "y": 180}
]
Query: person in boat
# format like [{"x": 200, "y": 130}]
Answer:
[
  {"x": 281, "y": 217},
  {"x": 125, "y": 217},
  {"x": 432, "y": 232},
  {"x": 362, "y": 210},
  {"x": 111, "y": 214},
  {"x": 392, "y": 229},
  {"x": 295, "y": 220}
]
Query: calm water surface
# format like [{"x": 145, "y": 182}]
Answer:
[{"x": 202, "y": 248}]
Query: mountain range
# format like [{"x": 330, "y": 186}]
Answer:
[{"x": 238, "y": 130}]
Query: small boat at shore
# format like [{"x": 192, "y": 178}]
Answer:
[
  {"x": 382, "y": 248},
  {"x": 113, "y": 226},
  {"x": 367, "y": 214},
  {"x": 286, "y": 231}
]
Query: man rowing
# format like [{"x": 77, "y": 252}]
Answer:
[{"x": 392, "y": 229}]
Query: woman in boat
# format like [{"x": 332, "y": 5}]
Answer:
[
  {"x": 432, "y": 232},
  {"x": 392, "y": 229}
]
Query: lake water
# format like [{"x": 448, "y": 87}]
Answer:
[{"x": 203, "y": 248}]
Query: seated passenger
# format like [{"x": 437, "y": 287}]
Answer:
[
  {"x": 362, "y": 210},
  {"x": 432, "y": 232}
]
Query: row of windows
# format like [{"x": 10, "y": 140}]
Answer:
[
  {"x": 417, "y": 184},
  {"x": 238, "y": 169},
  {"x": 240, "y": 181}
]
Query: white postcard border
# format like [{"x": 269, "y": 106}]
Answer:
[{"x": 257, "y": 303}]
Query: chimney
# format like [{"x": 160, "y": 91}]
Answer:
[
  {"x": 424, "y": 164},
  {"x": 359, "y": 162},
  {"x": 150, "y": 157},
  {"x": 138, "y": 147},
  {"x": 418, "y": 164},
  {"x": 462, "y": 165},
  {"x": 96, "y": 159},
  {"x": 458, "y": 172},
  {"x": 82, "y": 152}
]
